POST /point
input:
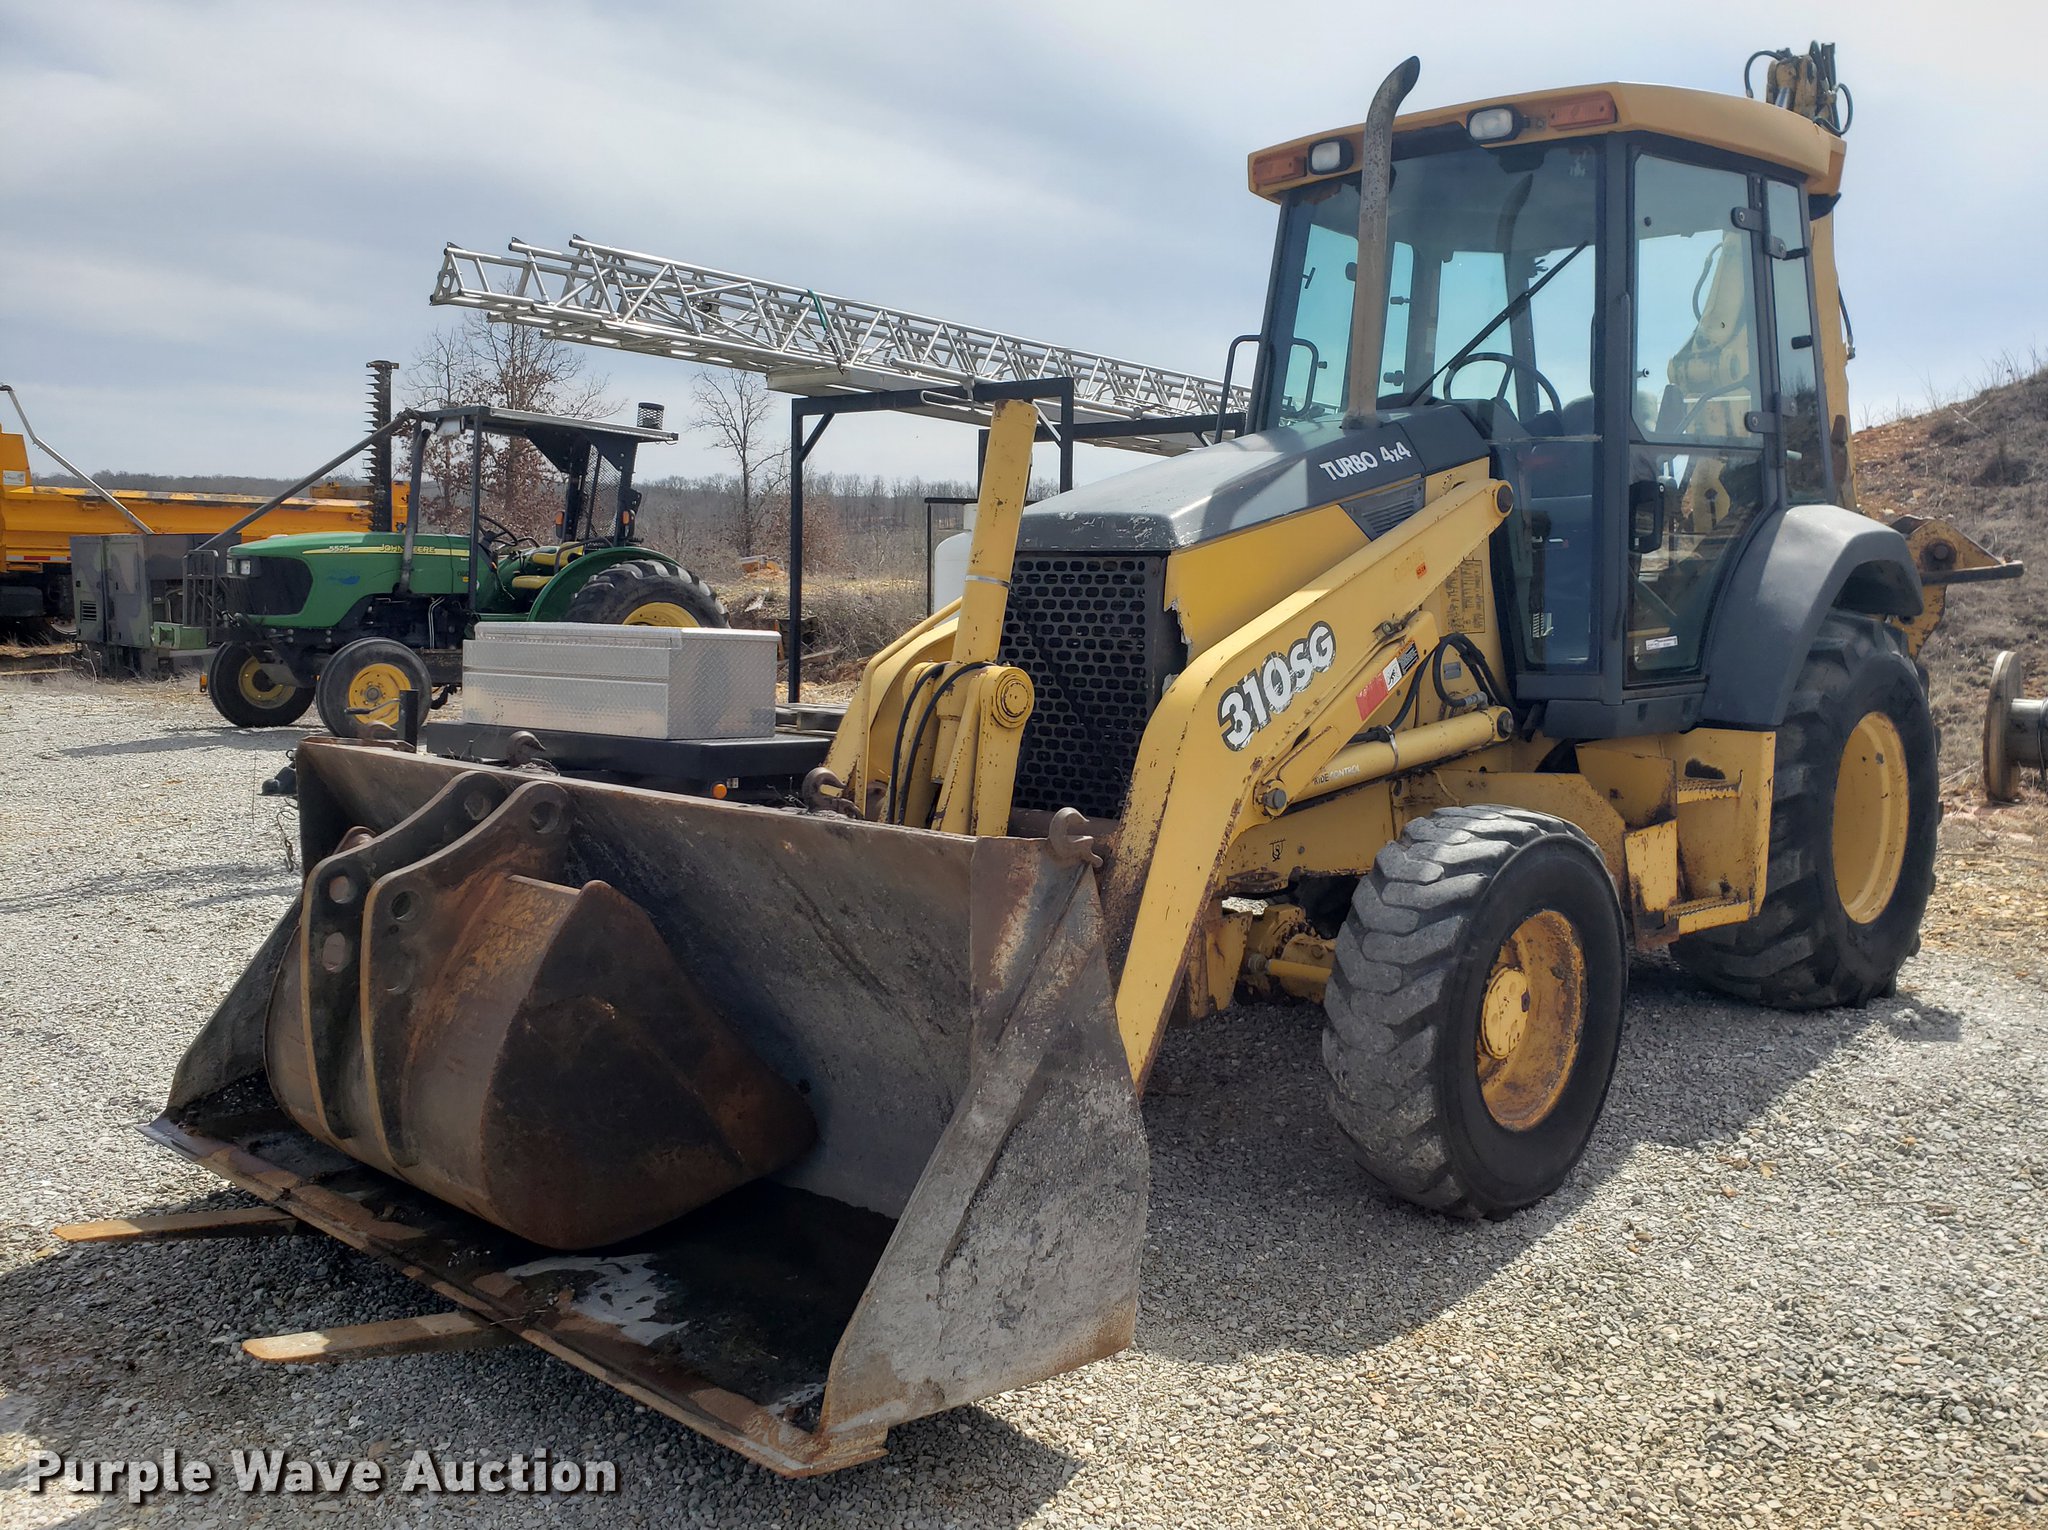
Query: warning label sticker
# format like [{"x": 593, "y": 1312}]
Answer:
[
  {"x": 1465, "y": 596},
  {"x": 1382, "y": 684}
]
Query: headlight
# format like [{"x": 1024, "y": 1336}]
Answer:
[
  {"x": 1494, "y": 124},
  {"x": 1329, "y": 156}
]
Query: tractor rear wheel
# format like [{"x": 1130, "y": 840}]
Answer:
[
  {"x": 1854, "y": 810},
  {"x": 360, "y": 686},
  {"x": 647, "y": 594},
  {"x": 1475, "y": 1009},
  {"x": 236, "y": 685}
]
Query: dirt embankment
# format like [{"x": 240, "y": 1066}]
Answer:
[{"x": 1983, "y": 463}]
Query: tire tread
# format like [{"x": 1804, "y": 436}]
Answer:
[
  {"x": 1410, "y": 913},
  {"x": 604, "y": 595},
  {"x": 1779, "y": 958}
]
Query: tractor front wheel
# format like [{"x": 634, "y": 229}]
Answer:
[
  {"x": 239, "y": 691},
  {"x": 1475, "y": 1009},
  {"x": 647, "y": 594},
  {"x": 360, "y": 686}
]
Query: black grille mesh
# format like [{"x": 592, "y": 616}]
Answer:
[
  {"x": 1090, "y": 631},
  {"x": 275, "y": 586}
]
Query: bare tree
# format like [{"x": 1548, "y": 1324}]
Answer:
[
  {"x": 507, "y": 366},
  {"x": 734, "y": 409}
]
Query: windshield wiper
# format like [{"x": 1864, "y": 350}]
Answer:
[{"x": 1515, "y": 306}]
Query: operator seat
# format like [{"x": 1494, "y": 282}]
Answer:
[{"x": 532, "y": 569}]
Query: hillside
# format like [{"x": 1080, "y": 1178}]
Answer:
[{"x": 1982, "y": 462}]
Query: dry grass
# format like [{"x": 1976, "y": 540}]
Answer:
[{"x": 847, "y": 618}]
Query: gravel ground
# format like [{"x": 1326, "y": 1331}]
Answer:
[{"x": 1797, "y": 1280}]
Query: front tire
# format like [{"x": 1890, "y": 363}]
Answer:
[
  {"x": 360, "y": 686},
  {"x": 1475, "y": 1009},
  {"x": 1854, "y": 811},
  {"x": 235, "y": 685},
  {"x": 643, "y": 593}
]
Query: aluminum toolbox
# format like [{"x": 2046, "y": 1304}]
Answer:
[{"x": 629, "y": 682}]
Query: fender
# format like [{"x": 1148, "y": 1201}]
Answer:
[
  {"x": 1800, "y": 565},
  {"x": 551, "y": 603}
]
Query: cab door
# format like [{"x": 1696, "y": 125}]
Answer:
[{"x": 1702, "y": 410}]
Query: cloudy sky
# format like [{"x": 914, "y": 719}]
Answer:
[{"x": 217, "y": 210}]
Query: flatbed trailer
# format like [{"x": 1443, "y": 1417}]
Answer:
[{"x": 768, "y": 769}]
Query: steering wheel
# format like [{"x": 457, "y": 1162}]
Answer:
[
  {"x": 1510, "y": 365},
  {"x": 500, "y": 539}
]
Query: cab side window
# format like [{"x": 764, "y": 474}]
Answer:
[
  {"x": 1696, "y": 454},
  {"x": 1800, "y": 412}
]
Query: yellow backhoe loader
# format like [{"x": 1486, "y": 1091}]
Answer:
[{"x": 1531, "y": 623}]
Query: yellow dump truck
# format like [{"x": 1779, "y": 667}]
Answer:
[{"x": 38, "y": 521}]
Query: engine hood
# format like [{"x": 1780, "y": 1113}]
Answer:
[{"x": 1209, "y": 493}]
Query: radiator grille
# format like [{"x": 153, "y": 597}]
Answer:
[
  {"x": 1092, "y": 633},
  {"x": 275, "y": 587}
]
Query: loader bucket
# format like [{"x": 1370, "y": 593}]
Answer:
[{"x": 790, "y": 1125}]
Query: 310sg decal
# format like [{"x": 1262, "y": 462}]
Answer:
[{"x": 1267, "y": 691}]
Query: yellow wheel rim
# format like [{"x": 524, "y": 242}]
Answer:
[
  {"x": 373, "y": 693},
  {"x": 1530, "y": 1020},
  {"x": 1872, "y": 804},
  {"x": 255, "y": 690},
  {"x": 659, "y": 613}
]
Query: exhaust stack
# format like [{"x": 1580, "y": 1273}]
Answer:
[{"x": 1369, "y": 291}]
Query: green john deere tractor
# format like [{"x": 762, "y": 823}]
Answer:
[{"x": 350, "y": 621}]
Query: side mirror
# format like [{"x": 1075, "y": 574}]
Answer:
[{"x": 1649, "y": 504}]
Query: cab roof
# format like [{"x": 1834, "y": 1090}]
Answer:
[{"x": 1755, "y": 129}]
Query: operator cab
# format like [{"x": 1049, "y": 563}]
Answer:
[{"x": 1628, "y": 316}]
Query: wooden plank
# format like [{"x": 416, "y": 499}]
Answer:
[
  {"x": 235, "y": 1222},
  {"x": 435, "y": 1333}
]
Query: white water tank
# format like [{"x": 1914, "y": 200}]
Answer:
[{"x": 949, "y": 562}]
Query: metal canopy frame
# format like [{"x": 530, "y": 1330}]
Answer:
[
  {"x": 969, "y": 403},
  {"x": 566, "y": 442},
  {"x": 812, "y": 343}
]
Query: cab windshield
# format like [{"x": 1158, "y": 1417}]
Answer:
[
  {"x": 1493, "y": 271},
  {"x": 1474, "y": 232}
]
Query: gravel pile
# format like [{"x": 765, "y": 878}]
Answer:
[{"x": 1798, "y": 1279}]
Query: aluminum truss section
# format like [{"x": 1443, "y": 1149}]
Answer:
[{"x": 806, "y": 342}]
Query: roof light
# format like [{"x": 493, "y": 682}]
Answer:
[
  {"x": 1329, "y": 156},
  {"x": 1494, "y": 124},
  {"x": 1580, "y": 111},
  {"x": 1277, "y": 166}
]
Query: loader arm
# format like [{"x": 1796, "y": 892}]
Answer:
[
  {"x": 1192, "y": 793},
  {"x": 932, "y": 732}
]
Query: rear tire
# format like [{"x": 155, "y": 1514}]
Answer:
[
  {"x": 235, "y": 686},
  {"x": 1841, "y": 910},
  {"x": 1475, "y": 1009},
  {"x": 359, "y": 686},
  {"x": 645, "y": 593}
]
